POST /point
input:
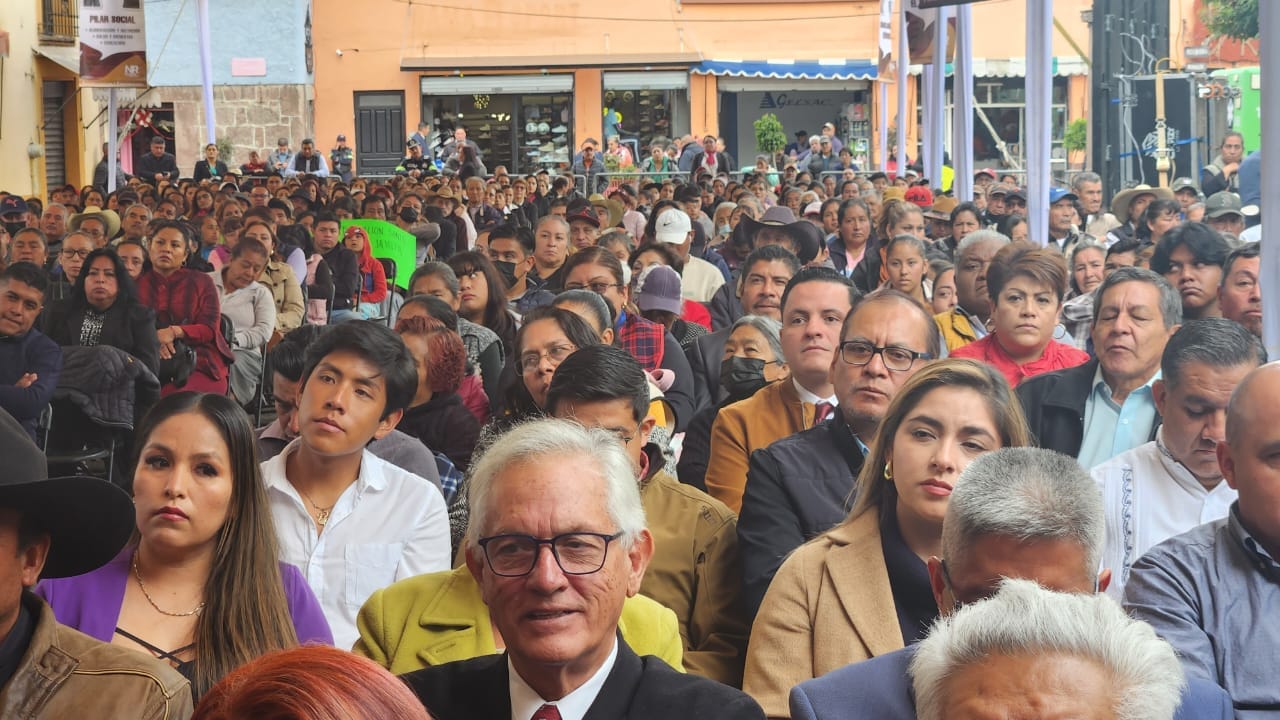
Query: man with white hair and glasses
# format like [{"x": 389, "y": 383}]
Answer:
[
  {"x": 554, "y": 483},
  {"x": 1021, "y": 513}
]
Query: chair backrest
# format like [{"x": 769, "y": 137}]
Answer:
[
  {"x": 227, "y": 327},
  {"x": 388, "y": 268}
]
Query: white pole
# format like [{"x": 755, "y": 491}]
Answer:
[
  {"x": 1269, "y": 27},
  {"x": 882, "y": 137},
  {"x": 937, "y": 101},
  {"x": 962, "y": 106},
  {"x": 904, "y": 67},
  {"x": 1039, "y": 88},
  {"x": 206, "y": 69},
  {"x": 113, "y": 139}
]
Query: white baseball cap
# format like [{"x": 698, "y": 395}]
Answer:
[{"x": 673, "y": 227}]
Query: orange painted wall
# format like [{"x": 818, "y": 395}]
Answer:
[{"x": 381, "y": 34}]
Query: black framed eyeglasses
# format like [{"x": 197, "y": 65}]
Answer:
[
  {"x": 898, "y": 359},
  {"x": 577, "y": 553},
  {"x": 529, "y": 362},
  {"x": 71, "y": 252},
  {"x": 598, "y": 288}
]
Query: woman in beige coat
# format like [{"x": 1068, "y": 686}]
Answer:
[{"x": 862, "y": 588}]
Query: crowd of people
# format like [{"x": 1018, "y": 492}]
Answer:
[{"x": 801, "y": 441}]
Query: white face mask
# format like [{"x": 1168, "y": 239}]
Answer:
[{"x": 626, "y": 274}]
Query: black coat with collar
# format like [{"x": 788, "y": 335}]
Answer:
[
  {"x": 643, "y": 688},
  {"x": 1054, "y": 404},
  {"x": 797, "y": 488},
  {"x": 128, "y": 326}
]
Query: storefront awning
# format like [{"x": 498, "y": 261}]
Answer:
[
  {"x": 1017, "y": 67},
  {"x": 67, "y": 56},
  {"x": 132, "y": 97},
  {"x": 789, "y": 69}
]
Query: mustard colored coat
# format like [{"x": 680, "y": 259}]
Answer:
[
  {"x": 829, "y": 605},
  {"x": 439, "y": 617}
]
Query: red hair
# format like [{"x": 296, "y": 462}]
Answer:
[
  {"x": 315, "y": 682},
  {"x": 446, "y": 355}
]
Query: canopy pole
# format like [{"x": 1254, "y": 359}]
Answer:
[
  {"x": 206, "y": 69},
  {"x": 962, "y": 106},
  {"x": 904, "y": 66},
  {"x": 1039, "y": 90},
  {"x": 1269, "y": 27},
  {"x": 937, "y": 92},
  {"x": 113, "y": 138}
]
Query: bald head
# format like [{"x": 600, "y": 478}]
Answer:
[{"x": 1252, "y": 396}]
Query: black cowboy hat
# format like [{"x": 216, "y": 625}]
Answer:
[
  {"x": 806, "y": 235},
  {"x": 88, "y": 520}
]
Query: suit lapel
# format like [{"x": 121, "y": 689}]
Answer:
[
  {"x": 861, "y": 582},
  {"x": 619, "y": 689}
]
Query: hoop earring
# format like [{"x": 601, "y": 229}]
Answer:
[{"x": 888, "y": 471}]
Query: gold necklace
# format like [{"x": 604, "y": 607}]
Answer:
[
  {"x": 142, "y": 586},
  {"x": 322, "y": 514}
]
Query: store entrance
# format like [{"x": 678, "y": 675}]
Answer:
[{"x": 523, "y": 133}]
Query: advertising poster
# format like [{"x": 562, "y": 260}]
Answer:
[{"x": 113, "y": 44}]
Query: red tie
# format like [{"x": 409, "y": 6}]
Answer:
[
  {"x": 822, "y": 411},
  {"x": 546, "y": 712}
]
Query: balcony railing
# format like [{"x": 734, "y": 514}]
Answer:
[{"x": 58, "y": 21}]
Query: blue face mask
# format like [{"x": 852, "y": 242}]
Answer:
[{"x": 725, "y": 229}]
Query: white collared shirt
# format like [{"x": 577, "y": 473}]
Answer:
[
  {"x": 807, "y": 396},
  {"x": 1149, "y": 497},
  {"x": 525, "y": 701},
  {"x": 386, "y": 526}
]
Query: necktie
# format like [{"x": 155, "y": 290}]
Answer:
[
  {"x": 822, "y": 411},
  {"x": 546, "y": 712}
]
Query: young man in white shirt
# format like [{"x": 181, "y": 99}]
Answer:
[
  {"x": 1173, "y": 483},
  {"x": 351, "y": 522}
]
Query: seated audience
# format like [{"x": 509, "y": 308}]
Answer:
[
  {"x": 1240, "y": 293},
  {"x": 553, "y": 483},
  {"x": 967, "y": 321},
  {"x": 349, "y": 520},
  {"x": 55, "y": 528},
  {"x": 252, "y": 312},
  {"x": 694, "y": 568},
  {"x": 862, "y": 588},
  {"x": 29, "y": 361},
  {"x": 436, "y": 415},
  {"x": 373, "y": 277},
  {"x": 103, "y": 309},
  {"x": 1190, "y": 257},
  {"x": 278, "y": 277},
  {"x": 1025, "y": 285},
  {"x": 1065, "y": 654},
  {"x": 1212, "y": 591},
  {"x": 201, "y": 587}
]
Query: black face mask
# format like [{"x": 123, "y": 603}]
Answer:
[
  {"x": 409, "y": 215},
  {"x": 14, "y": 227},
  {"x": 741, "y": 377},
  {"x": 508, "y": 272}
]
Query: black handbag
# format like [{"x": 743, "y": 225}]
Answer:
[{"x": 175, "y": 369}]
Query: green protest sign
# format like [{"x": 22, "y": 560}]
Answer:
[{"x": 390, "y": 242}]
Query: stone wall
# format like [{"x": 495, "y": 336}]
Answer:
[{"x": 252, "y": 117}]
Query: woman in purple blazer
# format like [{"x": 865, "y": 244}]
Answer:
[{"x": 201, "y": 586}]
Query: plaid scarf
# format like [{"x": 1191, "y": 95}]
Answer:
[{"x": 643, "y": 339}]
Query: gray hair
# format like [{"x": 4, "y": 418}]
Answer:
[
  {"x": 552, "y": 217},
  {"x": 980, "y": 237},
  {"x": 1170, "y": 300},
  {"x": 1024, "y": 619},
  {"x": 440, "y": 270},
  {"x": 1086, "y": 245},
  {"x": 556, "y": 441},
  {"x": 1027, "y": 494},
  {"x": 56, "y": 206},
  {"x": 594, "y": 302},
  {"x": 1216, "y": 342},
  {"x": 1085, "y": 177},
  {"x": 766, "y": 326}
]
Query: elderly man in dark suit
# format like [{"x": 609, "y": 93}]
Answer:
[
  {"x": 1022, "y": 513},
  {"x": 554, "y": 483}
]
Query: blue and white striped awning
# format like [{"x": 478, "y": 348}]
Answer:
[{"x": 789, "y": 69}]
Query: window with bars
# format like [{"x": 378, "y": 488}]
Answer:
[{"x": 59, "y": 20}]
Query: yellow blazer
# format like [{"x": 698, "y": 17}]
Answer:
[
  {"x": 829, "y": 605},
  {"x": 440, "y": 617},
  {"x": 774, "y": 412},
  {"x": 957, "y": 330}
]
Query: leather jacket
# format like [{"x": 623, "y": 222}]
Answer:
[{"x": 67, "y": 674}]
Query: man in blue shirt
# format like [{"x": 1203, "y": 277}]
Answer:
[{"x": 29, "y": 361}]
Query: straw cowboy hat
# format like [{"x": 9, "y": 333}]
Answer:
[
  {"x": 1123, "y": 199},
  {"x": 109, "y": 218}
]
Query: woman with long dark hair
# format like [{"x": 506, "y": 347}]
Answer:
[
  {"x": 103, "y": 309},
  {"x": 201, "y": 585}
]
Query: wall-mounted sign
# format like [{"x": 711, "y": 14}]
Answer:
[
  {"x": 248, "y": 67},
  {"x": 113, "y": 43}
]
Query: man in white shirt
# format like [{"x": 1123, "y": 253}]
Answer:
[
  {"x": 351, "y": 522},
  {"x": 553, "y": 483},
  {"x": 1173, "y": 483}
]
